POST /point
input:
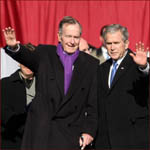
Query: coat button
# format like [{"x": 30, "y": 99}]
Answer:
[
  {"x": 85, "y": 113},
  {"x": 82, "y": 88},
  {"x": 69, "y": 125},
  {"x": 75, "y": 107},
  {"x": 52, "y": 99},
  {"x": 133, "y": 120}
]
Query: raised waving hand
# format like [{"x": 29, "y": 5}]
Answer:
[{"x": 10, "y": 37}]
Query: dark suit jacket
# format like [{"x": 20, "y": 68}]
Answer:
[
  {"x": 123, "y": 115},
  {"x": 55, "y": 120},
  {"x": 13, "y": 98}
]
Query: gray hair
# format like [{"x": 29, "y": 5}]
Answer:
[
  {"x": 69, "y": 20},
  {"x": 114, "y": 28}
]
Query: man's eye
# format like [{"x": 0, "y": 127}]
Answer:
[
  {"x": 116, "y": 42},
  {"x": 108, "y": 43},
  {"x": 76, "y": 37},
  {"x": 68, "y": 36}
]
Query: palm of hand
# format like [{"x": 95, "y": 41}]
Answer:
[
  {"x": 140, "y": 57},
  {"x": 11, "y": 39}
]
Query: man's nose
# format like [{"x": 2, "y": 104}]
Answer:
[
  {"x": 112, "y": 46},
  {"x": 72, "y": 40}
]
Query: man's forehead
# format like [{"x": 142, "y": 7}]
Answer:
[
  {"x": 115, "y": 36},
  {"x": 113, "y": 40},
  {"x": 66, "y": 25},
  {"x": 115, "y": 33}
]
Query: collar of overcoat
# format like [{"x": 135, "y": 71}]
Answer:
[{"x": 79, "y": 71}]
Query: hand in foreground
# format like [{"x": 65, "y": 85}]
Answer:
[
  {"x": 85, "y": 140},
  {"x": 10, "y": 37},
  {"x": 140, "y": 56}
]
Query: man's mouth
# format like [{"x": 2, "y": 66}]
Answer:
[
  {"x": 113, "y": 53},
  {"x": 71, "y": 45}
]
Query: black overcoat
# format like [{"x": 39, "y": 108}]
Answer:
[
  {"x": 56, "y": 120},
  {"x": 13, "y": 110},
  {"x": 123, "y": 116}
]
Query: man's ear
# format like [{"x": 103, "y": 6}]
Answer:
[
  {"x": 127, "y": 44},
  {"x": 59, "y": 37},
  {"x": 101, "y": 39}
]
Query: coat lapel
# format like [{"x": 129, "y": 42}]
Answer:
[
  {"x": 79, "y": 71},
  {"x": 59, "y": 71},
  {"x": 106, "y": 69}
]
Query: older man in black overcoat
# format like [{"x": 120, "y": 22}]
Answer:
[{"x": 64, "y": 111}]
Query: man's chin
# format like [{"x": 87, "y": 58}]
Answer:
[
  {"x": 70, "y": 51},
  {"x": 114, "y": 58}
]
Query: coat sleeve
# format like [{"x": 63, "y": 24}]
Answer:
[{"x": 26, "y": 57}]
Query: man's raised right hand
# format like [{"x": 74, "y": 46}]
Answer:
[{"x": 10, "y": 37}]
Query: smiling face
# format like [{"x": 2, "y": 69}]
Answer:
[
  {"x": 26, "y": 72},
  {"x": 70, "y": 37},
  {"x": 115, "y": 45}
]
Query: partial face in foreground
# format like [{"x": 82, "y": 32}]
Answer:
[
  {"x": 83, "y": 46},
  {"x": 26, "y": 72}
]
